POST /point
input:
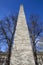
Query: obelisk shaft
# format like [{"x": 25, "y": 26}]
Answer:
[{"x": 22, "y": 50}]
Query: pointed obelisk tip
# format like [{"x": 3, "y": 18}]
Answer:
[{"x": 21, "y": 7}]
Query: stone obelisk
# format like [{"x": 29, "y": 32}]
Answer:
[{"x": 22, "y": 50}]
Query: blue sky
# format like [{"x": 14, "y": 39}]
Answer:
[
  {"x": 8, "y": 7},
  {"x": 30, "y": 7}
]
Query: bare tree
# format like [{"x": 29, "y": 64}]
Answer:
[
  {"x": 35, "y": 30},
  {"x": 7, "y": 30}
]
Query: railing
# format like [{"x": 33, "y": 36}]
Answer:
[
  {"x": 3, "y": 59},
  {"x": 40, "y": 58}
]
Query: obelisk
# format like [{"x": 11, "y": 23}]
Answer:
[{"x": 22, "y": 49}]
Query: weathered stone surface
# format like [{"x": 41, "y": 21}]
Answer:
[{"x": 22, "y": 50}]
